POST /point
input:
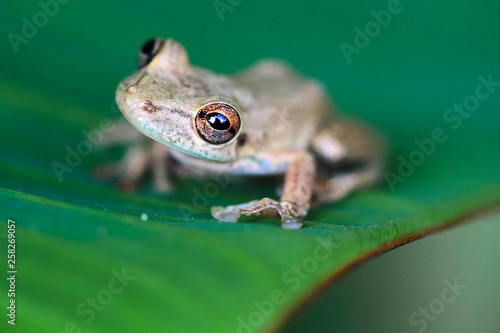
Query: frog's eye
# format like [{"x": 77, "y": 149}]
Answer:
[
  {"x": 217, "y": 123},
  {"x": 148, "y": 51}
]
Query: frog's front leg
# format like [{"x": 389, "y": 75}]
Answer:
[
  {"x": 160, "y": 167},
  {"x": 141, "y": 158},
  {"x": 142, "y": 154},
  {"x": 294, "y": 202}
]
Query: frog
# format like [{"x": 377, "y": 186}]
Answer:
[{"x": 267, "y": 120}]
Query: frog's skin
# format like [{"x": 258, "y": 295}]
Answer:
[{"x": 287, "y": 126}]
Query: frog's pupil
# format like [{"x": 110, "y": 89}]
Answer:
[{"x": 218, "y": 121}]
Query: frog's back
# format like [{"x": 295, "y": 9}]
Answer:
[
  {"x": 274, "y": 82},
  {"x": 299, "y": 102}
]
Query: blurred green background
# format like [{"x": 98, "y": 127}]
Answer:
[
  {"x": 402, "y": 81},
  {"x": 389, "y": 293}
]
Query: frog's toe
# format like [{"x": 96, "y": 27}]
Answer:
[
  {"x": 162, "y": 186},
  {"x": 225, "y": 214},
  {"x": 115, "y": 172},
  {"x": 292, "y": 223},
  {"x": 127, "y": 185},
  {"x": 107, "y": 171},
  {"x": 290, "y": 217},
  {"x": 233, "y": 213}
]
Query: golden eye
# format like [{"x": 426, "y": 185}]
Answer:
[{"x": 217, "y": 123}]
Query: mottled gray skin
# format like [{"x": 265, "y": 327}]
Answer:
[{"x": 288, "y": 126}]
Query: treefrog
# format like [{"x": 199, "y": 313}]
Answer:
[{"x": 266, "y": 120}]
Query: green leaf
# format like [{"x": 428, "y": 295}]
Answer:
[{"x": 181, "y": 271}]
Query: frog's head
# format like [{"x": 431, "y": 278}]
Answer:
[{"x": 181, "y": 106}]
